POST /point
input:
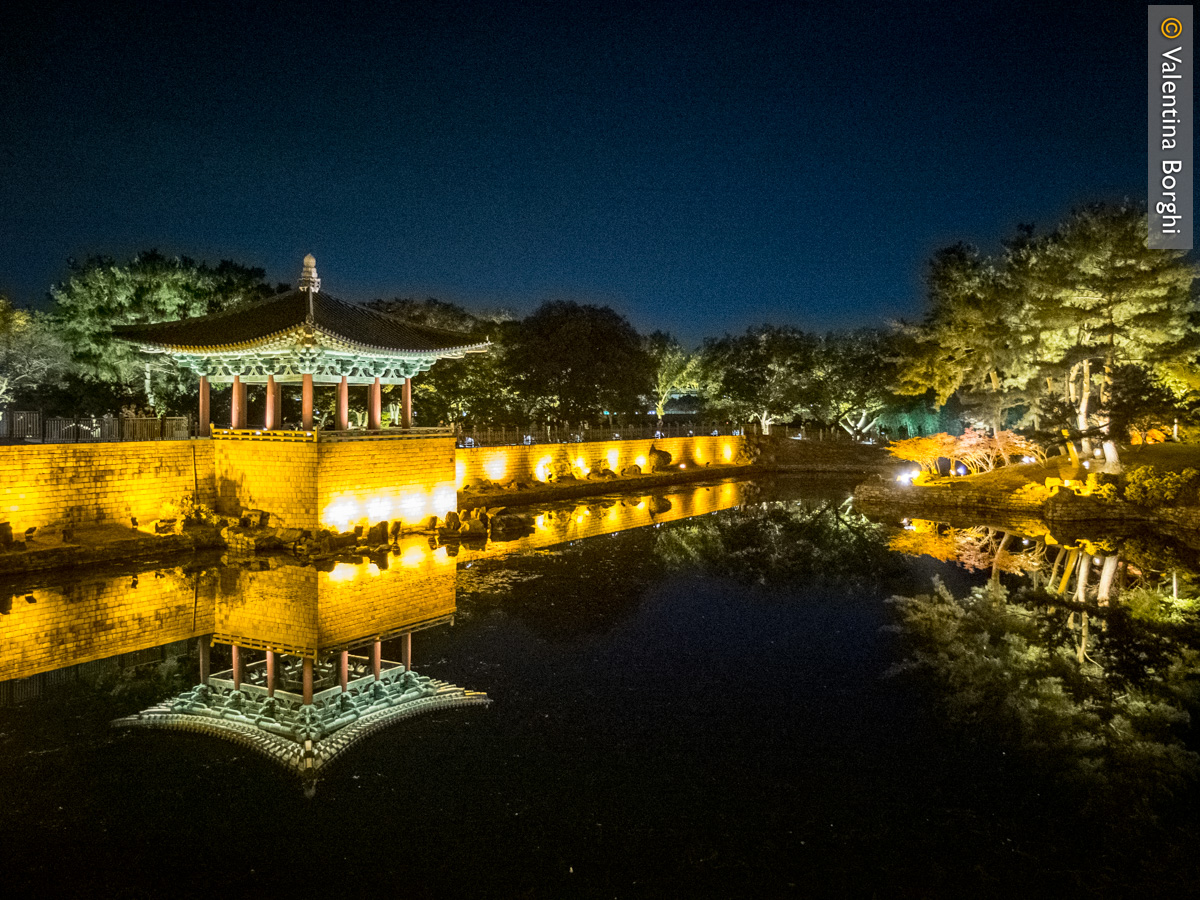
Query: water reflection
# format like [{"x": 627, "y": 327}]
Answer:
[
  {"x": 282, "y": 631},
  {"x": 1087, "y": 661}
]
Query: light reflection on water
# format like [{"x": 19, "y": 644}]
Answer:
[{"x": 283, "y": 604}]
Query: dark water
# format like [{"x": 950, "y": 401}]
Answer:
[{"x": 698, "y": 706}]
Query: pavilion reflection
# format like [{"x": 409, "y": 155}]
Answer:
[{"x": 290, "y": 652}]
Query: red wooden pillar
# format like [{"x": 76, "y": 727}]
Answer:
[
  {"x": 203, "y": 428},
  {"x": 344, "y": 670},
  {"x": 270, "y": 673},
  {"x": 306, "y": 403},
  {"x": 271, "y": 419},
  {"x": 377, "y": 659},
  {"x": 343, "y": 404},
  {"x": 406, "y": 397},
  {"x": 204, "y": 663},
  {"x": 237, "y": 667},
  {"x": 406, "y": 651},
  {"x": 374, "y": 406},
  {"x": 308, "y": 680},
  {"x": 237, "y": 404}
]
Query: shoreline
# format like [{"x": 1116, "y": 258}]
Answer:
[
  {"x": 113, "y": 543},
  {"x": 1063, "y": 511}
]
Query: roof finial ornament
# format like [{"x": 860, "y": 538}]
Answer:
[{"x": 310, "y": 282}]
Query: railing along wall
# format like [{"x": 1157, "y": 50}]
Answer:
[{"x": 22, "y": 426}]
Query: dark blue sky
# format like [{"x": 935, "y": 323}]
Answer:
[{"x": 701, "y": 167}]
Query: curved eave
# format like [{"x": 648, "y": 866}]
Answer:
[
  {"x": 276, "y": 341},
  {"x": 393, "y": 351}
]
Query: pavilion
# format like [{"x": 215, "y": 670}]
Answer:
[{"x": 306, "y": 337}]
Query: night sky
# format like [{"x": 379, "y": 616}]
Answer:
[{"x": 700, "y": 167}]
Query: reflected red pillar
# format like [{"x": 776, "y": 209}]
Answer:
[
  {"x": 271, "y": 419},
  {"x": 204, "y": 660},
  {"x": 406, "y": 399},
  {"x": 306, "y": 403},
  {"x": 406, "y": 651},
  {"x": 343, "y": 404},
  {"x": 374, "y": 406},
  {"x": 270, "y": 673},
  {"x": 344, "y": 670},
  {"x": 237, "y": 404},
  {"x": 237, "y": 667},
  {"x": 308, "y": 680},
  {"x": 202, "y": 428},
  {"x": 377, "y": 659}
]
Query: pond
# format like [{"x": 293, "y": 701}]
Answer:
[{"x": 705, "y": 691}]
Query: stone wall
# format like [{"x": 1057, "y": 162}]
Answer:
[
  {"x": 305, "y": 484},
  {"x": 535, "y": 462},
  {"x": 278, "y": 476},
  {"x": 363, "y": 482},
  {"x": 52, "y": 485}
]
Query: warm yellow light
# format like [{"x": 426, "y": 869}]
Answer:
[
  {"x": 613, "y": 456},
  {"x": 343, "y": 572},
  {"x": 339, "y": 514},
  {"x": 444, "y": 499},
  {"x": 540, "y": 522},
  {"x": 542, "y": 470},
  {"x": 379, "y": 508},
  {"x": 641, "y": 462},
  {"x": 582, "y": 466},
  {"x": 412, "y": 507},
  {"x": 460, "y": 472},
  {"x": 413, "y": 556},
  {"x": 496, "y": 466},
  {"x": 728, "y": 452}
]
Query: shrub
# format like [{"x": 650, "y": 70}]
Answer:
[{"x": 1147, "y": 486}]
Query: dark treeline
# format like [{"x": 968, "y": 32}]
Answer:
[{"x": 1082, "y": 328}]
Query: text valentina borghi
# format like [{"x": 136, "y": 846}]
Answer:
[{"x": 1167, "y": 206}]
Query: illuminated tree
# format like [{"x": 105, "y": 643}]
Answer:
[
  {"x": 675, "y": 370},
  {"x": 763, "y": 374},
  {"x": 1100, "y": 299},
  {"x": 100, "y": 293},
  {"x": 30, "y": 352}
]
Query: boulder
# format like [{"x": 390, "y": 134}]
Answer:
[
  {"x": 631, "y": 470},
  {"x": 658, "y": 459}
]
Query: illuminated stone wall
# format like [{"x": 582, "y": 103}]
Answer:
[
  {"x": 96, "y": 618},
  {"x": 534, "y": 463},
  {"x": 86, "y": 484},
  {"x": 278, "y": 476},
  {"x": 361, "y": 482}
]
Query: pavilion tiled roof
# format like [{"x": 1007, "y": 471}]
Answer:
[{"x": 256, "y": 323}]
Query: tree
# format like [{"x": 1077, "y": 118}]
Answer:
[
  {"x": 572, "y": 361},
  {"x": 1101, "y": 298},
  {"x": 675, "y": 370},
  {"x": 30, "y": 352},
  {"x": 848, "y": 381},
  {"x": 469, "y": 390},
  {"x": 762, "y": 374},
  {"x": 100, "y": 293},
  {"x": 972, "y": 342}
]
